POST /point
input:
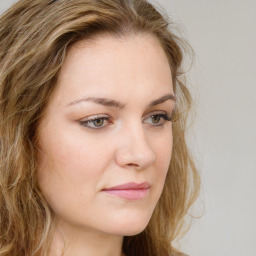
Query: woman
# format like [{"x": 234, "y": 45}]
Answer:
[{"x": 93, "y": 152}]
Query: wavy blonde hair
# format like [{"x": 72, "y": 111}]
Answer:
[{"x": 35, "y": 36}]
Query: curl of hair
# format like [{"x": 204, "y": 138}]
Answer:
[{"x": 35, "y": 36}]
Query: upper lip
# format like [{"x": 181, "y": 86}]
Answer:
[{"x": 130, "y": 186}]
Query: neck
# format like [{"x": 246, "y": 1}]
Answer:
[{"x": 80, "y": 242}]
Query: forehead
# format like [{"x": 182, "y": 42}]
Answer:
[{"x": 109, "y": 65}]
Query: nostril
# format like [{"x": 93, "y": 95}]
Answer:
[{"x": 136, "y": 165}]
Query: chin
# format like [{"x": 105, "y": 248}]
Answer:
[
  {"x": 131, "y": 226},
  {"x": 134, "y": 231},
  {"x": 130, "y": 231}
]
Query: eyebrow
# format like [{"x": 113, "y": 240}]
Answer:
[
  {"x": 102, "y": 101},
  {"x": 116, "y": 104},
  {"x": 163, "y": 99}
]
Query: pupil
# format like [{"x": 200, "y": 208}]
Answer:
[
  {"x": 98, "y": 122},
  {"x": 156, "y": 119}
]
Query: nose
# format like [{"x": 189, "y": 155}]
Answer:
[{"x": 134, "y": 150}]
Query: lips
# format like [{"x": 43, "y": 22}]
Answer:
[{"x": 129, "y": 191}]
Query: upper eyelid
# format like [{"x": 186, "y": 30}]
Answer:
[
  {"x": 94, "y": 117},
  {"x": 155, "y": 112},
  {"x": 99, "y": 116}
]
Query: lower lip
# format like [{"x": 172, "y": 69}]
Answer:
[{"x": 129, "y": 194}]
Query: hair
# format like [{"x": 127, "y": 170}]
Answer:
[{"x": 35, "y": 36}]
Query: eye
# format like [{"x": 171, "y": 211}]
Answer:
[
  {"x": 96, "y": 122},
  {"x": 158, "y": 119}
]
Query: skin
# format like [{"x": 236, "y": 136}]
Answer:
[{"x": 78, "y": 160}]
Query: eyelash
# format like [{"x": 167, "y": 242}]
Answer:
[
  {"x": 163, "y": 117},
  {"x": 86, "y": 123}
]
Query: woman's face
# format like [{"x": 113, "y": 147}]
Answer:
[{"x": 106, "y": 140}]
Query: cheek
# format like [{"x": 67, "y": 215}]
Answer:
[
  {"x": 69, "y": 155},
  {"x": 69, "y": 172},
  {"x": 71, "y": 164},
  {"x": 163, "y": 148}
]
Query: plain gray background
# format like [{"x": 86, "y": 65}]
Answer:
[{"x": 223, "y": 82}]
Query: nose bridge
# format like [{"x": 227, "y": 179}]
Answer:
[{"x": 135, "y": 149}]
